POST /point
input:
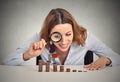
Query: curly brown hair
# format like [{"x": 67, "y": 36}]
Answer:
[{"x": 62, "y": 16}]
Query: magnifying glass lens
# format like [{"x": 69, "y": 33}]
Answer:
[{"x": 56, "y": 37}]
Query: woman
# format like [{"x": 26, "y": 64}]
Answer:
[{"x": 70, "y": 44}]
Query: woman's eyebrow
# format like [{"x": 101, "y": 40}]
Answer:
[
  {"x": 68, "y": 32},
  {"x": 54, "y": 31}
]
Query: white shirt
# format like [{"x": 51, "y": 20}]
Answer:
[{"x": 75, "y": 56}]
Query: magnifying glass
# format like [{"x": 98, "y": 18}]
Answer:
[{"x": 56, "y": 37}]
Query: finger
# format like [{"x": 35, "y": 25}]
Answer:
[
  {"x": 31, "y": 46},
  {"x": 90, "y": 66},
  {"x": 36, "y": 45},
  {"x": 86, "y": 66},
  {"x": 93, "y": 68},
  {"x": 101, "y": 67},
  {"x": 96, "y": 67},
  {"x": 40, "y": 44},
  {"x": 44, "y": 42}
]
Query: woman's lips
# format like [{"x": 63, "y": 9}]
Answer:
[{"x": 63, "y": 46}]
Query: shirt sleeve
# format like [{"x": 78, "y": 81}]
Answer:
[
  {"x": 16, "y": 58},
  {"x": 100, "y": 49}
]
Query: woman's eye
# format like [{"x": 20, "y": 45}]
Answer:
[
  {"x": 68, "y": 34},
  {"x": 56, "y": 36}
]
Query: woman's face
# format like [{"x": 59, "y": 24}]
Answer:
[{"x": 67, "y": 36}]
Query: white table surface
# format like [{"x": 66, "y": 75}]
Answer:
[{"x": 31, "y": 74}]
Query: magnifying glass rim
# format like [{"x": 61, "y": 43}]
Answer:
[{"x": 57, "y": 33}]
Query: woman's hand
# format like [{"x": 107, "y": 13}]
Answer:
[
  {"x": 35, "y": 49},
  {"x": 100, "y": 63}
]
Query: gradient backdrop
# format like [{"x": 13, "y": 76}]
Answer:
[{"x": 20, "y": 19}]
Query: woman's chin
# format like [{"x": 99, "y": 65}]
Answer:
[{"x": 64, "y": 49}]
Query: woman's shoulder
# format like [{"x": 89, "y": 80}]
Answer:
[
  {"x": 92, "y": 40},
  {"x": 90, "y": 37}
]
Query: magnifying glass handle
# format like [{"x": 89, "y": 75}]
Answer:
[{"x": 52, "y": 48}]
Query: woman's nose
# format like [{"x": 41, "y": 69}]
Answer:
[{"x": 63, "y": 41}]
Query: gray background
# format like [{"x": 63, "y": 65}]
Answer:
[{"x": 20, "y": 19}]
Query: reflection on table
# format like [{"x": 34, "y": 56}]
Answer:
[{"x": 31, "y": 74}]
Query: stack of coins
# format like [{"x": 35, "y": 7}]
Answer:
[
  {"x": 47, "y": 66},
  {"x": 67, "y": 69},
  {"x": 40, "y": 66},
  {"x": 74, "y": 70},
  {"x": 54, "y": 67},
  {"x": 84, "y": 71},
  {"x": 61, "y": 68},
  {"x": 79, "y": 70}
]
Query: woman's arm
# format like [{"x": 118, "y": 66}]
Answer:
[
  {"x": 106, "y": 55},
  {"x": 17, "y": 57}
]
